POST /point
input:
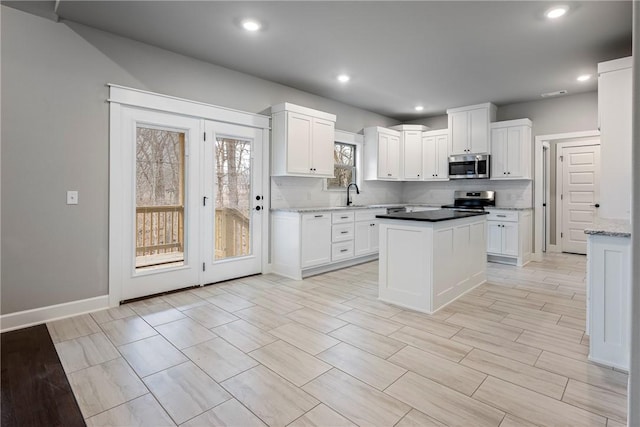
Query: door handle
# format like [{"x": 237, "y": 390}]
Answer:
[{"x": 597, "y": 205}]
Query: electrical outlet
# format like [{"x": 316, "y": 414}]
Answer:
[{"x": 72, "y": 197}]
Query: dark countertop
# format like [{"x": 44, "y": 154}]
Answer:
[{"x": 431, "y": 216}]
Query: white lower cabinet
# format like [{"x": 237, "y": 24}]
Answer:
[
  {"x": 310, "y": 243},
  {"x": 608, "y": 300},
  {"x": 316, "y": 249},
  {"x": 509, "y": 237}
]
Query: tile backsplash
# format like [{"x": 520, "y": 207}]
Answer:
[
  {"x": 516, "y": 194},
  {"x": 295, "y": 192}
]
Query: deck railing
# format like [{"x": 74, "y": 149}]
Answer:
[
  {"x": 160, "y": 234},
  {"x": 159, "y": 230},
  {"x": 231, "y": 233}
]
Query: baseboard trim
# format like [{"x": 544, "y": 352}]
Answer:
[{"x": 36, "y": 316}]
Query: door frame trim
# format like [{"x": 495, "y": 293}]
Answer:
[
  {"x": 538, "y": 187},
  {"x": 124, "y": 96},
  {"x": 559, "y": 183}
]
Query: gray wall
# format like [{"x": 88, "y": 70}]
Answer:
[{"x": 55, "y": 138}]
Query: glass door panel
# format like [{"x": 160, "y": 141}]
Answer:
[
  {"x": 160, "y": 208},
  {"x": 233, "y": 203}
]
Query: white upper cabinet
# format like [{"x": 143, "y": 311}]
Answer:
[
  {"x": 469, "y": 129},
  {"x": 511, "y": 148},
  {"x": 381, "y": 154},
  {"x": 302, "y": 141},
  {"x": 410, "y": 151},
  {"x": 435, "y": 147}
]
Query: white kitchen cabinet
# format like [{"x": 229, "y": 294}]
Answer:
[
  {"x": 302, "y": 141},
  {"x": 608, "y": 299},
  {"x": 615, "y": 124},
  {"x": 316, "y": 239},
  {"x": 382, "y": 154},
  {"x": 509, "y": 236},
  {"x": 469, "y": 128},
  {"x": 310, "y": 243},
  {"x": 511, "y": 149},
  {"x": 435, "y": 154},
  {"x": 411, "y": 151}
]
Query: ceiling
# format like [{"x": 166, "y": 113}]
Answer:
[{"x": 439, "y": 54}]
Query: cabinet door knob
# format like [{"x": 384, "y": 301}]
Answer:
[{"x": 508, "y": 173}]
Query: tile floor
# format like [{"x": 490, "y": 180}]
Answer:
[{"x": 324, "y": 351}]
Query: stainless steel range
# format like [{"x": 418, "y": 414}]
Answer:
[{"x": 472, "y": 200}]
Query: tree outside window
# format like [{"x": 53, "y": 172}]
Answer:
[{"x": 344, "y": 166}]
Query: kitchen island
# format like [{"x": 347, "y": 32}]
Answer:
[{"x": 428, "y": 259}]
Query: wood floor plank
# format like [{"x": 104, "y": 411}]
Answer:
[
  {"x": 366, "y": 340},
  {"x": 304, "y": 338},
  {"x": 486, "y": 326},
  {"x": 426, "y": 322},
  {"x": 316, "y": 320},
  {"x": 586, "y": 372},
  {"x": 32, "y": 377},
  {"x": 598, "y": 400},
  {"x": 448, "y": 349},
  {"x": 497, "y": 345},
  {"x": 416, "y": 418},
  {"x": 555, "y": 345},
  {"x": 369, "y": 321},
  {"x": 366, "y": 367},
  {"x": 519, "y": 373},
  {"x": 321, "y": 416},
  {"x": 451, "y": 374},
  {"x": 442, "y": 403},
  {"x": 357, "y": 401},
  {"x": 532, "y": 406}
]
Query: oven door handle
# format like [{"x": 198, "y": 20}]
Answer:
[{"x": 476, "y": 164}]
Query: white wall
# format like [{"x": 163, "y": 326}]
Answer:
[{"x": 55, "y": 138}]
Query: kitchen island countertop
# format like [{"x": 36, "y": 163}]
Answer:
[{"x": 431, "y": 216}]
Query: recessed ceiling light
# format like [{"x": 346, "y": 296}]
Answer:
[
  {"x": 343, "y": 78},
  {"x": 251, "y": 25},
  {"x": 418, "y": 108},
  {"x": 556, "y": 12},
  {"x": 584, "y": 77}
]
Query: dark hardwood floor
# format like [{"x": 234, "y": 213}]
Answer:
[{"x": 34, "y": 387}]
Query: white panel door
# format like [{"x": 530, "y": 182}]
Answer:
[
  {"x": 510, "y": 238},
  {"x": 580, "y": 195},
  {"x": 362, "y": 238},
  {"x": 374, "y": 236},
  {"x": 299, "y": 131},
  {"x": 515, "y": 143},
  {"x": 383, "y": 158},
  {"x": 233, "y": 204}
]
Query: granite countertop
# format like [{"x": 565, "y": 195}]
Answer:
[
  {"x": 352, "y": 207},
  {"x": 431, "y": 216},
  {"x": 610, "y": 227}
]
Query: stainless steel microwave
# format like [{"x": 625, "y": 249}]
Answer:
[{"x": 469, "y": 166}]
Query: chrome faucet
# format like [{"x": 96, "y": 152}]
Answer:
[{"x": 349, "y": 201}]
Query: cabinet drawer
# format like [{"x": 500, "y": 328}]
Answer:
[
  {"x": 369, "y": 214},
  {"x": 510, "y": 216},
  {"x": 341, "y": 217},
  {"x": 342, "y": 232},
  {"x": 340, "y": 251},
  {"x": 317, "y": 215}
]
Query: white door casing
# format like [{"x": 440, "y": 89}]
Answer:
[{"x": 579, "y": 193}]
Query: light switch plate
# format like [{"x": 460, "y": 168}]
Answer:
[{"x": 72, "y": 197}]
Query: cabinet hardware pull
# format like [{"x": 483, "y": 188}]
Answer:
[
  {"x": 318, "y": 216},
  {"x": 344, "y": 250},
  {"x": 372, "y": 225},
  {"x": 501, "y": 216},
  {"x": 344, "y": 217},
  {"x": 344, "y": 232}
]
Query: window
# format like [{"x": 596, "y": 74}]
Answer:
[{"x": 344, "y": 166}]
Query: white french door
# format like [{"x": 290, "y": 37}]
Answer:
[
  {"x": 160, "y": 212},
  {"x": 233, "y": 202},
  {"x": 186, "y": 203}
]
